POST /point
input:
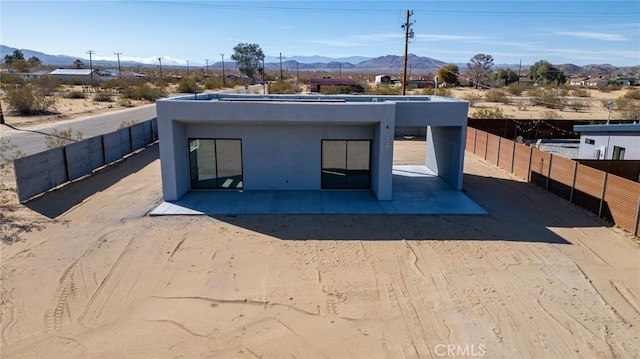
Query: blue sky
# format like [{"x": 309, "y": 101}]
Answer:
[{"x": 579, "y": 32}]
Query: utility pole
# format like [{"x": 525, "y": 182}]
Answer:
[
  {"x": 223, "y": 83},
  {"x": 340, "y": 70},
  {"x": 281, "y": 67},
  {"x": 407, "y": 34},
  {"x": 297, "y": 75},
  {"x": 187, "y": 67},
  {"x": 519, "y": 68},
  {"x": 119, "y": 68},
  {"x": 91, "y": 52},
  {"x": 207, "y": 71},
  {"x": 160, "y": 61}
]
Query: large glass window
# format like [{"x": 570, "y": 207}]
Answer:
[
  {"x": 618, "y": 153},
  {"x": 346, "y": 164},
  {"x": 216, "y": 163}
]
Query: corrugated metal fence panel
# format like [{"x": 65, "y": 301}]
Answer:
[
  {"x": 506, "y": 154},
  {"x": 471, "y": 139},
  {"x": 154, "y": 129},
  {"x": 621, "y": 201},
  {"x": 561, "y": 178},
  {"x": 521, "y": 160},
  {"x": 139, "y": 137},
  {"x": 493, "y": 142},
  {"x": 83, "y": 157},
  {"x": 539, "y": 167},
  {"x": 588, "y": 188},
  {"x": 481, "y": 143},
  {"x": 40, "y": 172},
  {"x": 116, "y": 145}
]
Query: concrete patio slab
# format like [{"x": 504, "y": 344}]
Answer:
[{"x": 416, "y": 191}]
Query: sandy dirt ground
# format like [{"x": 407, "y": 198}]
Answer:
[{"x": 536, "y": 278}]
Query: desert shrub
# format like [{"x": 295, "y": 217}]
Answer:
[
  {"x": 489, "y": 113},
  {"x": 549, "y": 115},
  {"x": 74, "y": 95},
  {"x": 59, "y": 138},
  {"x": 547, "y": 97},
  {"x": 30, "y": 100},
  {"x": 335, "y": 90},
  {"x": 125, "y": 124},
  {"x": 473, "y": 98},
  {"x": 143, "y": 91},
  {"x": 117, "y": 84},
  {"x": 102, "y": 97},
  {"x": 579, "y": 92},
  {"x": 384, "y": 90},
  {"x": 10, "y": 81},
  {"x": 189, "y": 85},
  {"x": 633, "y": 94},
  {"x": 283, "y": 87},
  {"x": 515, "y": 90},
  {"x": 495, "y": 95},
  {"x": 125, "y": 102},
  {"x": 522, "y": 106},
  {"x": 610, "y": 87},
  {"x": 577, "y": 105},
  {"x": 48, "y": 84},
  {"x": 212, "y": 83},
  {"x": 626, "y": 109}
]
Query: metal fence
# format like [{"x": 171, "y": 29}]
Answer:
[
  {"x": 43, "y": 171},
  {"x": 612, "y": 198}
]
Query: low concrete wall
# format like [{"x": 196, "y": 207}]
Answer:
[{"x": 41, "y": 172}]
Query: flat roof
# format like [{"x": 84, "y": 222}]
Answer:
[
  {"x": 618, "y": 127},
  {"x": 308, "y": 98}
]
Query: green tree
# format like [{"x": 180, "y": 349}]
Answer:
[
  {"x": 248, "y": 58},
  {"x": 543, "y": 72},
  {"x": 479, "y": 67},
  {"x": 505, "y": 75},
  {"x": 449, "y": 74},
  {"x": 78, "y": 64},
  {"x": 34, "y": 62},
  {"x": 15, "y": 56}
]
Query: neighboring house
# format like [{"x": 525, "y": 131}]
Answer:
[
  {"x": 302, "y": 142},
  {"x": 315, "y": 85},
  {"x": 77, "y": 76},
  {"x": 625, "y": 81},
  {"x": 34, "y": 75},
  {"x": 420, "y": 83},
  {"x": 578, "y": 81},
  {"x": 596, "y": 81},
  {"x": 609, "y": 142},
  {"x": 383, "y": 80}
]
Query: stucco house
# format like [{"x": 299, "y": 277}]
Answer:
[
  {"x": 302, "y": 142},
  {"x": 609, "y": 142}
]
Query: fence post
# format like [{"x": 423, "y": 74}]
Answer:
[
  {"x": 604, "y": 188},
  {"x": 513, "y": 154},
  {"x": 635, "y": 227},
  {"x": 573, "y": 180},
  {"x": 486, "y": 145},
  {"x": 475, "y": 140},
  {"x": 529, "y": 165},
  {"x": 66, "y": 164},
  {"x": 546, "y": 187},
  {"x": 498, "y": 157}
]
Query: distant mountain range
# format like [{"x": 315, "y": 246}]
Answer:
[{"x": 382, "y": 64}]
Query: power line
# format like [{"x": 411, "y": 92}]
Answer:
[{"x": 91, "y": 52}]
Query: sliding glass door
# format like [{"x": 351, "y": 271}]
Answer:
[
  {"x": 216, "y": 163},
  {"x": 346, "y": 164}
]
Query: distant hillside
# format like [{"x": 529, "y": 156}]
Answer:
[
  {"x": 382, "y": 64},
  {"x": 394, "y": 62}
]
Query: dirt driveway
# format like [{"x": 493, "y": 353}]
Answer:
[{"x": 535, "y": 278}]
